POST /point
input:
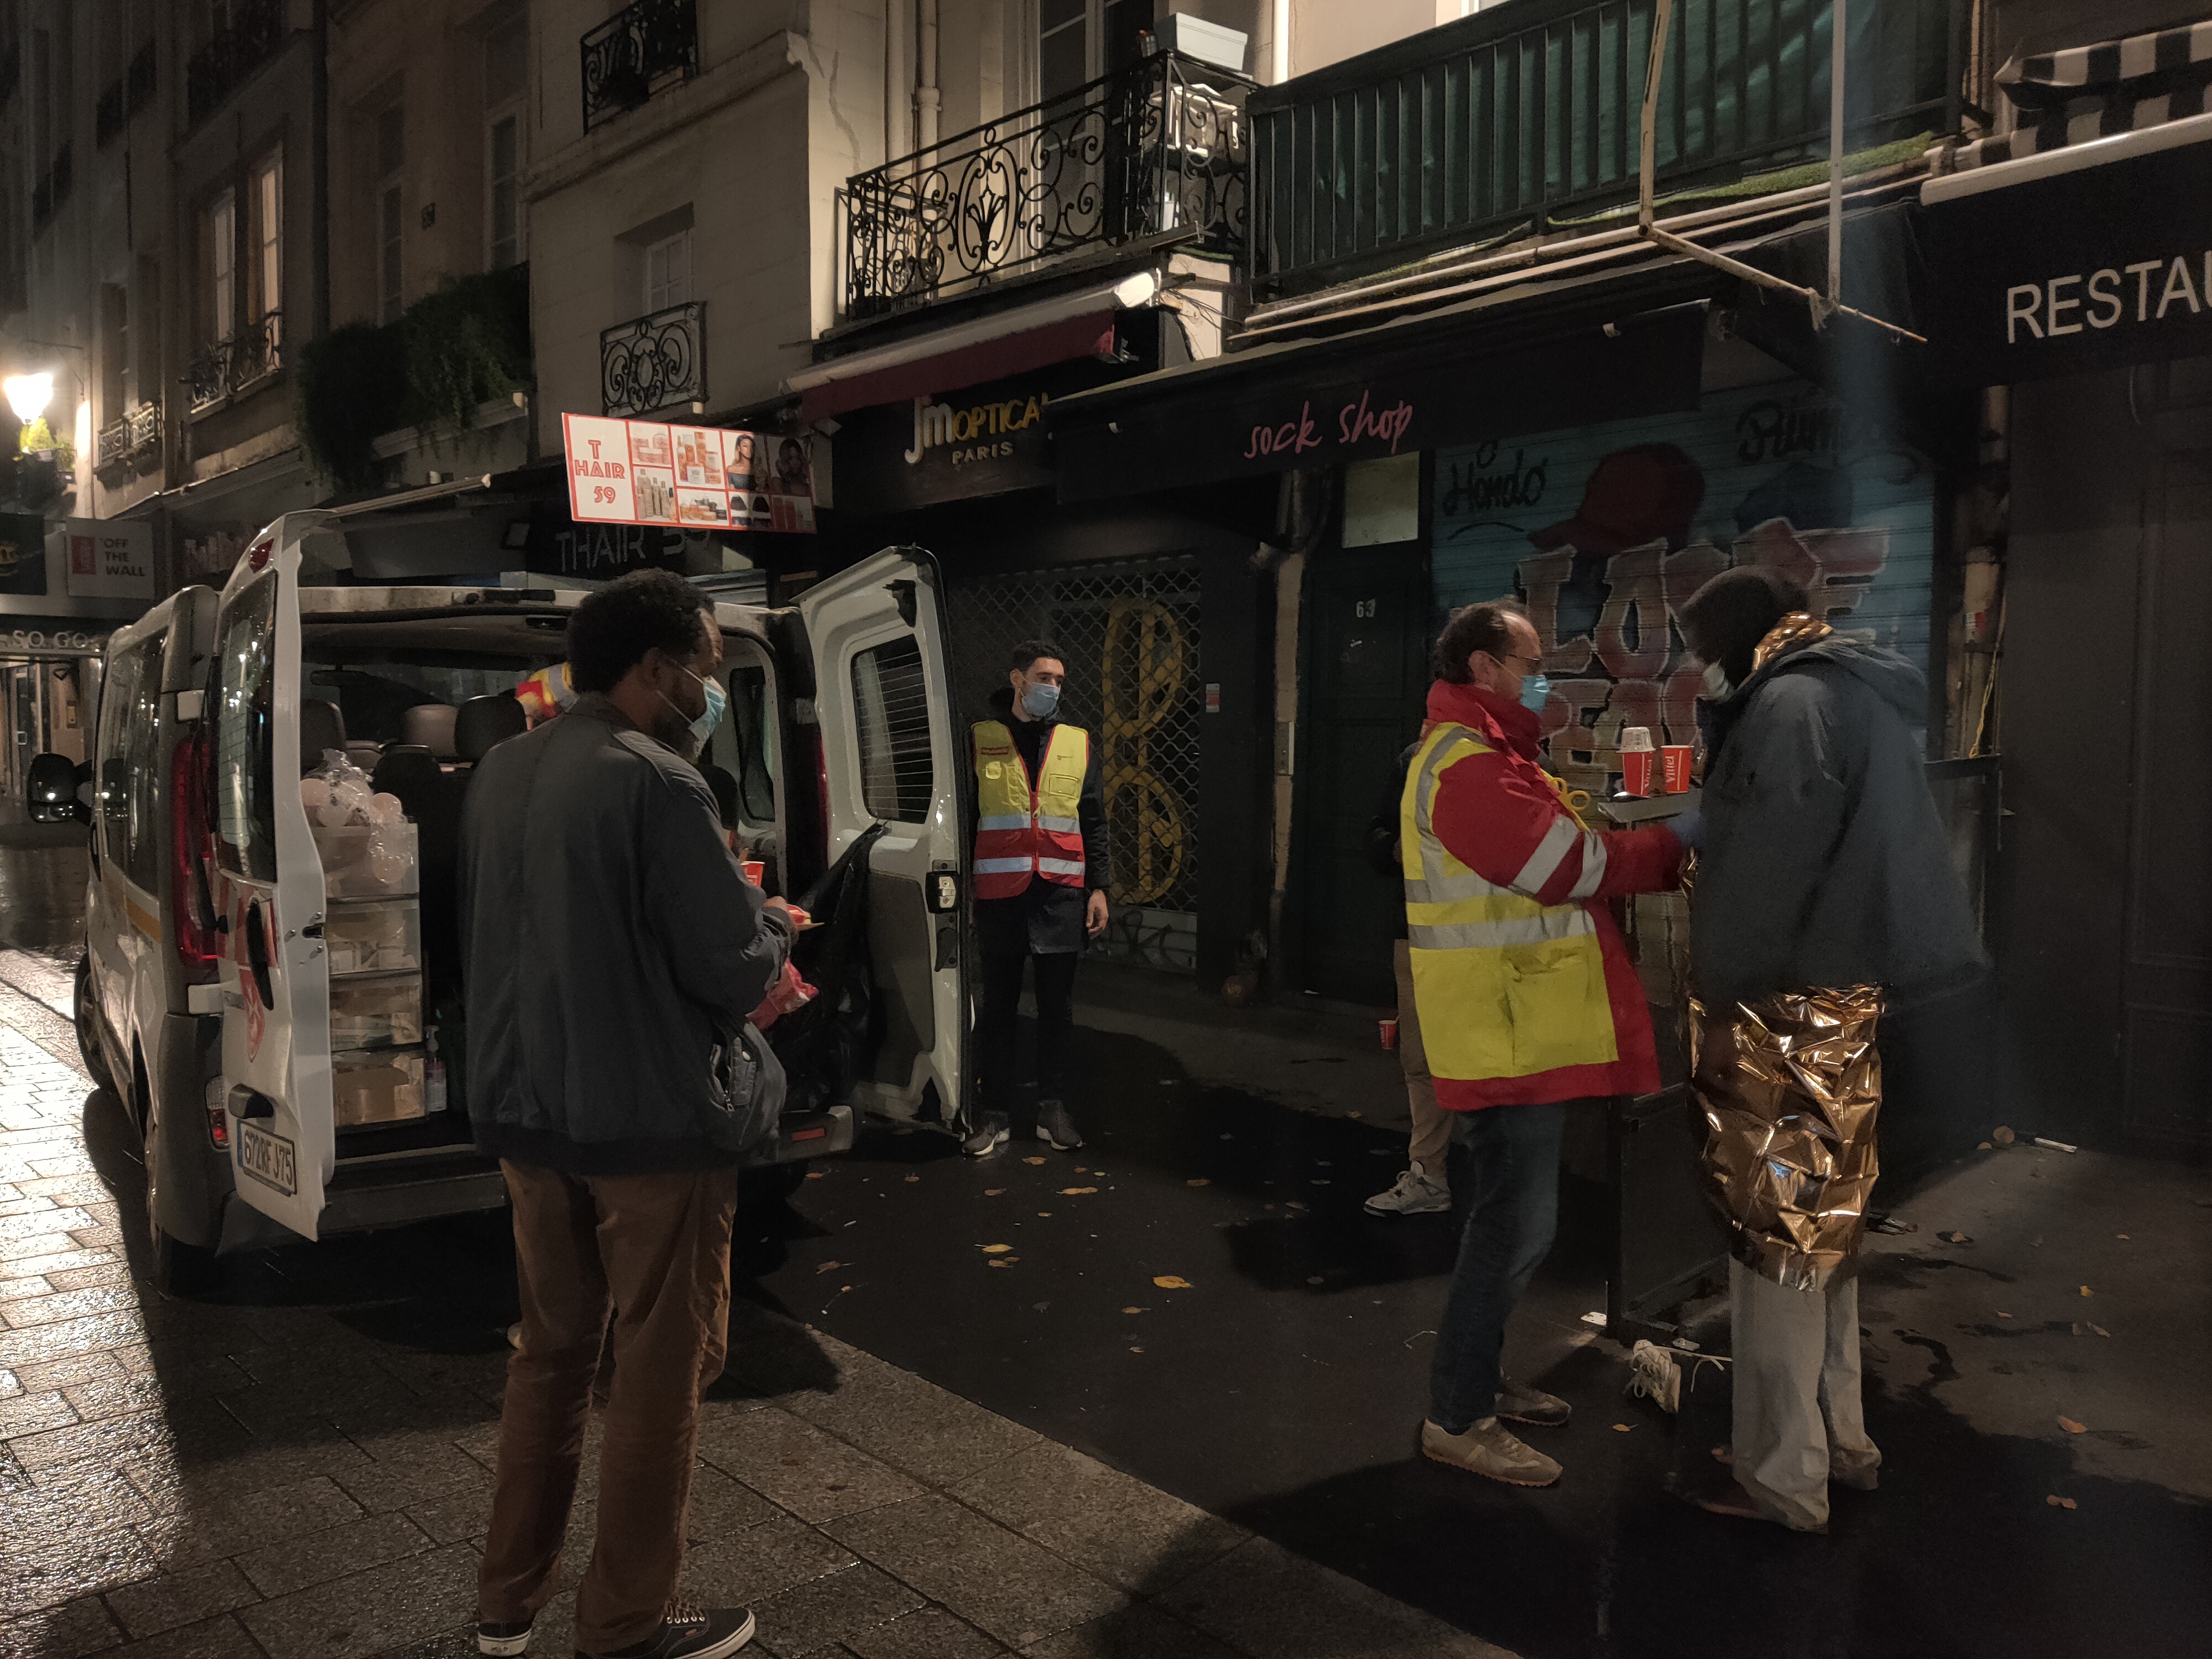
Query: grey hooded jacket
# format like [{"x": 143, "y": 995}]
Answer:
[
  {"x": 610, "y": 942},
  {"x": 1824, "y": 862}
]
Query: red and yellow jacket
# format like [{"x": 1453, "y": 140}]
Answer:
[{"x": 1521, "y": 977}]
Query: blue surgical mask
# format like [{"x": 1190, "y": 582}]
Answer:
[
  {"x": 1534, "y": 688},
  {"x": 1039, "y": 701},
  {"x": 710, "y": 717}
]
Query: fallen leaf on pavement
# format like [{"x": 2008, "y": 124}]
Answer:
[
  {"x": 2100, "y": 1330},
  {"x": 827, "y": 1265},
  {"x": 1954, "y": 1238},
  {"x": 914, "y": 1177},
  {"x": 818, "y": 1175},
  {"x": 1622, "y": 1428},
  {"x": 994, "y": 1249},
  {"x": 1984, "y": 1147},
  {"x": 993, "y": 1192},
  {"x": 1002, "y": 1262},
  {"x": 1135, "y": 1349},
  {"x": 2072, "y": 1427},
  {"x": 1072, "y": 1192},
  {"x": 1171, "y": 1282},
  {"x": 1032, "y": 1160},
  {"x": 2085, "y": 1289},
  {"x": 2120, "y": 1236},
  {"x": 1044, "y": 1215},
  {"x": 2004, "y": 1316},
  {"x": 1132, "y": 1310},
  {"x": 1200, "y": 1182},
  {"x": 2002, "y": 1135},
  {"x": 2058, "y": 1503}
]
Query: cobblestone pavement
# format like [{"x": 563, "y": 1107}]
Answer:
[{"x": 299, "y": 1466}]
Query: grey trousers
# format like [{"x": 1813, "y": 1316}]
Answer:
[
  {"x": 1797, "y": 1390},
  {"x": 1431, "y": 1123}
]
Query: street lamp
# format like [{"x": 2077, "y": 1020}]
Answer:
[{"x": 28, "y": 395}]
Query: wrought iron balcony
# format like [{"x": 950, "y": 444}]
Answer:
[
  {"x": 237, "y": 364},
  {"x": 642, "y": 49},
  {"x": 220, "y": 67},
  {"x": 1156, "y": 149},
  {"x": 132, "y": 436},
  {"x": 139, "y": 82},
  {"x": 108, "y": 114},
  {"x": 1528, "y": 115},
  {"x": 652, "y": 362}
]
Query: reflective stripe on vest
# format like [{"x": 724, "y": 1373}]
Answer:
[
  {"x": 1505, "y": 986},
  {"x": 1025, "y": 831}
]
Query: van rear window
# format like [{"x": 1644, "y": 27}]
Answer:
[
  {"x": 244, "y": 776},
  {"x": 890, "y": 710}
]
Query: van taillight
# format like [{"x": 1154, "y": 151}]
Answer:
[{"x": 192, "y": 905}]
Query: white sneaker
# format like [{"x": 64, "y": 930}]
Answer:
[{"x": 1418, "y": 1193}]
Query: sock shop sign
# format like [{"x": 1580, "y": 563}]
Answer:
[
  {"x": 1355, "y": 424},
  {"x": 2103, "y": 266}
]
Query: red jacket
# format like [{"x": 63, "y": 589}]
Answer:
[{"x": 1491, "y": 812}]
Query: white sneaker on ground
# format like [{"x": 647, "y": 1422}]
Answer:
[
  {"x": 1418, "y": 1193},
  {"x": 1491, "y": 1449}
]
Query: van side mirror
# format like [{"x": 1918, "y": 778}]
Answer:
[{"x": 52, "y": 790}]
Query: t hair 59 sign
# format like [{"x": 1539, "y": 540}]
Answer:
[{"x": 692, "y": 477}]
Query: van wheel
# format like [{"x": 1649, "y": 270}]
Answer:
[
  {"x": 176, "y": 1268},
  {"x": 88, "y": 1027}
]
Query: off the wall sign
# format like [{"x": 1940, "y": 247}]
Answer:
[
  {"x": 2100, "y": 267},
  {"x": 1603, "y": 532}
]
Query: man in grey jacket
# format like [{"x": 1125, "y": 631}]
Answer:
[
  {"x": 1824, "y": 887},
  {"x": 611, "y": 947}
]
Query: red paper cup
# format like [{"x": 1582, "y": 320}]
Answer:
[
  {"x": 1388, "y": 1030},
  {"x": 1635, "y": 771},
  {"x": 756, "y": 870},
  {"x": 1676, "y": 756}
]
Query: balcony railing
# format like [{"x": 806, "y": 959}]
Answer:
[
  {"x": 1528, "y": 115},
  {"x": 642, "y": 49},
  {"x": 220, "y": 67},
  {"x": 139, "y": 81},
  {"x": 1154, "y": 149},
  {"x": 229, "y": 367},
  {"x": 53, "y": 189},
  {"x": 133, "y": 435},
  {"x": 652, "y": 362}
]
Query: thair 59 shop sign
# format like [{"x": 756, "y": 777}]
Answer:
[
  {"x": 2093, "y": 269},
  {"x": 694, "y": 478}
]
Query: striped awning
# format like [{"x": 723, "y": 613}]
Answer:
[{"x": 2070, "y": 97}]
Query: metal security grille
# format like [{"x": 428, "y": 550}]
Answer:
[{"x": 1131, "y": 635}]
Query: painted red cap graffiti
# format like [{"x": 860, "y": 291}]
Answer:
[{"x": 1634, "y": 497}]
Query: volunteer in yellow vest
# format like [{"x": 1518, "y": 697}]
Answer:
[
  {"x": 1527, "y": 1001},
  {"x": 1040, "y": 876}
]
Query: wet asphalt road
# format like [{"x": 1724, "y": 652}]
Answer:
[{"x": 1284, "y": 1387}]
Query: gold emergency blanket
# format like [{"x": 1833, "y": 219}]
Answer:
[{"x": 1789, "y": 1086}]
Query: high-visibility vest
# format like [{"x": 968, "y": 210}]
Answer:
[
  {"x": 1505, "y": 986},
  {"x": 1026, "y": 829}
]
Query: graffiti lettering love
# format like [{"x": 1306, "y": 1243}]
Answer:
[{"x": 1355, "y": 422}]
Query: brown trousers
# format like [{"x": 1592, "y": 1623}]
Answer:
[{"x": 654, "y": 1252}]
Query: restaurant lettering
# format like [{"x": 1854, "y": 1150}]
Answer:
[
  {"x": 1355, "y": 422},
  {"x": 2106, "y": 298}
]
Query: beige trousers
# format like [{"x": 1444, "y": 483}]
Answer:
[
  {"x": 1796, "y": 1391},
  {"x": 1431, "y": 1123}
]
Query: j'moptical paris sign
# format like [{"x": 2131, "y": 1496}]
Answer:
[
  {"x": 694, "y": 478},
  {"x": 2103, "y": 265}
]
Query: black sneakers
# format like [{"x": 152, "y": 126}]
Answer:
[
  {"x": 1056, "y": 1125},
  {"x": 502, "y": 1641},
  {"x": 691, "y": 1633}
]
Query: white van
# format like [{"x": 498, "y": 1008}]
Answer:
[{"x": 280, "y": 1025}]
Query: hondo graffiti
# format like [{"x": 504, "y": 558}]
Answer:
[{"x": 1603, "y": 584}]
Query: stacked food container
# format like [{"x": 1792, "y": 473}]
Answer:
[{"x": 372, "y": 928}]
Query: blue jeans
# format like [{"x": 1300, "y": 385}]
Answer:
[{"x": 1513, "y": 1173}]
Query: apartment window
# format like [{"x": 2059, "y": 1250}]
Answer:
[
  {"x": 219, "y": 260},
  {"x": 390, "y": 159},
  {"x": 668, "y": 271},
  {"x": 115, "y": 350},
  {"x": 265, "y": 296},
  {"x": 506, "y": 77},
  {"x": 1079, "y": 40}
]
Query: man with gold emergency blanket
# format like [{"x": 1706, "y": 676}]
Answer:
[
  {"x": 1825, "y": 884},
  {"x": 1527, "y": 999}
]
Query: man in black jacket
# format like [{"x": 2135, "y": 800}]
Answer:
[
  {"x": 611, "y": 947},
  {"x": 1040, "y": 873}
]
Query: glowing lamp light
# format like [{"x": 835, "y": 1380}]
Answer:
[{"x": 28, "y": 395}]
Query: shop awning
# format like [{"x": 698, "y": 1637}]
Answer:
[
  {"x": 2082, "y": 240},
  {"x": 1528, "y": 360},
  {"x": 1013, "y": 341}
]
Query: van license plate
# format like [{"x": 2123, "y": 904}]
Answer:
[{"x": 268, "y": 1159}]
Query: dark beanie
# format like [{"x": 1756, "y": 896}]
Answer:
[{"x": 1724, "y": 621}]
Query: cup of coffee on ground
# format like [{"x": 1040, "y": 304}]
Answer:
[
  {"x": 1636, "y": 758},
  {"x": 1674, "y": 760}
]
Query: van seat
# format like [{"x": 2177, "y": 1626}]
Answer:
[
  {"x": 363, "y": 754},
  {"x": 482, "y": 722},
  {"x": 321, "y": 726},
  {"x": 431, "y": 725}
]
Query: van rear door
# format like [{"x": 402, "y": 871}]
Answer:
[
  {"x": 276, "y": 976},
  {"x": 893, "y": 754}
]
